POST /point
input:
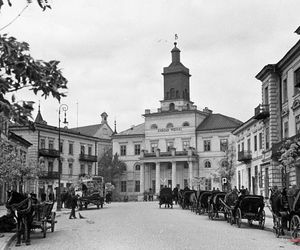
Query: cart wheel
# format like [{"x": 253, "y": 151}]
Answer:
[
  {"x": 250, "y": 222},
  {"x": 44, "y": 228},
  {"x": 262, "y": 218},
  {"x": 238, "y": 218},
  {"x": 295, "y": 226},
  {"x": 53, "y": 214}
]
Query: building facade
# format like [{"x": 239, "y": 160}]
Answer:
[
  {"x": 177, "y": 145},
  {"x": 77, "y": 151}
]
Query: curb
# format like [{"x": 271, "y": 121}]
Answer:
[{"x": 9, "y": 241}]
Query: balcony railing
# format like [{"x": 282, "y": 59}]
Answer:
[
  {"x": 52, "y": 153},
  {"x": 49, "y": 175},
  {"x": 261, "y": 112},
  {"x": 245, "y": 156},
  {"x": 90, "y": 158},
  {"x": 167, "y": 154}
]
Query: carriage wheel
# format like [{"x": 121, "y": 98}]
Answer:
[
  {"x": 295, "y": 226},
  {"x": 262, "y": 218},
  {"x": 238, "y": 218},
  {"x": 53, "y": 214}
]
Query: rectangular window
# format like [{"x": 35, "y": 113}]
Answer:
[
  {"x": 70, "y": 169},
  {"x": 243, "y": 146},
  {"x": 50, "y": 166},
  {"x": 284, "y": 91},
  {"x": 137, "y": 149},
  {"x": 297, "y": 81},
  {"x": 239, "y": 180},
  {"x": 82, "y": 169},
  {"x": 170, "y": 145},
  {"x": 137, "y": 167},
  {"x": 43, "y": 143},
  {"x": 90, "y": 170},
  {"x": 286, "y": 129},
  {"x": 82, "y": 149},
  {"x": 260, "y": 140},
  {"x": 51, "y": 144},
  {"x": 137, "y": 186},
  {"x": 248, "y": 144},
  {"x": 153, "y": 147},
  {"x": 123, "y": 186},
  {"x": 239, "y": 148},
  {"x": 123, "y": 150},
  {"x": 207, "y": 183},
  {"x": 206, "y": 145},
  {"x": 70, "y": 148},
  {"x": 169, "y": 183},
  {"x": 153, "y": 186},
  {"x": 255, "y": 143},
  {"x": 267, "y": 137},
  {"x": 223, "y": 145},
  {"x": 89, "y": 150},
  {"x": 185, "y": 145}
]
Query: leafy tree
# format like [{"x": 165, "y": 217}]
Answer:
[
  {"x": 18, "y": 70},
  {"x": 12, "y": 167},
  {"x": 110, "y": 167},
  {"x": 42, "y": 3}
]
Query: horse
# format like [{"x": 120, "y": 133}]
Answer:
[{"x": 21, "y": 207}]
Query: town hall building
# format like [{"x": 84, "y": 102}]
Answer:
[{"x": 177, "y": 145}]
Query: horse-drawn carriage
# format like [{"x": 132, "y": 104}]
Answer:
[
  {"x": 166, "y": 197},
  {"x": 228, "y": 203},
  {"x": 185, "y": 198},
  {"x": 286, "y": 212},
  {"x": 202, "y": 202},
  {"x": 250, "y": 207},
  {"x": 215, "y": 205}
]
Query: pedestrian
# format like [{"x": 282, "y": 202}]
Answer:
[
  {"x": 150, "y": 195},
  {"x": 175, "y": 195},
  {"x": 73, "y": 206}
]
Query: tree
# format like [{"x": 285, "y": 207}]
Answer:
[
  {"x": 110, "y": 167},
  {"x": 227, "y": 168},
  {"x": 18, "y": 70},
  {"x": 13, "y": 169},
  {"x": 42, "y": 3}
]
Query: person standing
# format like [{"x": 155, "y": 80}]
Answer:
[{"x": 73, "y": 206}]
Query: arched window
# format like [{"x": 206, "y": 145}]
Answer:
[
  {"x": 170, "y": 125},
  {"x": 172, "y": 93},
  {"x": 153, "y": 126},
  {"x": 207, "y": 164},
  {"x": 185, "y": 124},
  {"x": 137, "y": 167},
  {"x": 177, "y": 94},
  {"x": 172, "y": 106}
]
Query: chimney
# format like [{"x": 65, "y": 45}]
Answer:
[{"x": 207, "y": 110}]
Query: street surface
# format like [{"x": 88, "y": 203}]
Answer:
[{"x": 142, "y": 225}]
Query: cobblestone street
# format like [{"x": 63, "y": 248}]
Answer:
[{"x": 143, "y": 225}]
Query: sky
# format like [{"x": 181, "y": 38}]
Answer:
[{"x": 113, "y": 52}]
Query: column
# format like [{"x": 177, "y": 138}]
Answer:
[
  {"x": 190, "y": 173},
  {"x": 173, "y": 174},
  {"x": 142, "y": 178},
  {"x": 157, "y": 177}
]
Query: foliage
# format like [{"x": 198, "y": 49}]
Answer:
[
  {"x": 289, "y": 152},
  {"x": 42, "y": 3},
  {"x": 12, "y": 165},
  {"x": 18, "y": 70},
  {"x": 227, "y": 169},
  {"x": 110, "y": 167}
]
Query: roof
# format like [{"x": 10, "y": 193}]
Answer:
[
  {"x": 90, "y": 130},
  {"x": 218, "y": 121},
  {"x": 15, "y": 137},
  {"x": 134, "y": 130}
]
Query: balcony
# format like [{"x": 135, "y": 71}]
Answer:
[
  {"x": 49, "y": 175},
  {"x": 244, "y": 156},
  {"x": 261, "y": 112},
  {"x": 89, "y": 158},
  {"x": 52, "y": 153}
]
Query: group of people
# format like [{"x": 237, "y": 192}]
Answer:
[{"x": 148, "y": 196}]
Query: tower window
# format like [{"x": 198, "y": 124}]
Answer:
[
  {"x": 172, "y": 93},
  {"x": 177, "y": 94},
  {"x": 172, "y": 106},
  {"x": 170, "y": 125},
  {"x": 185, "y": 124},
  {"x": 153, "y": 126}
]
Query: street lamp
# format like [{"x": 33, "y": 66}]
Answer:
[{"x": 63, "y": 107}]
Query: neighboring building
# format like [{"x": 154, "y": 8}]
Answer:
[
  {"x": 78, "y": 152},
  {"x": 249, "y": 148},
  {"x": 178, "y": 145},
  {"x": 278, "y": 119}
]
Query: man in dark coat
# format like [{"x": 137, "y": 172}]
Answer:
[
  {"x": 175, "y": 195},
  {"x": 73, "y": 206}
]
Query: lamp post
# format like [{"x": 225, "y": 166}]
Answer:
[{"x": 63, "y": 107}]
